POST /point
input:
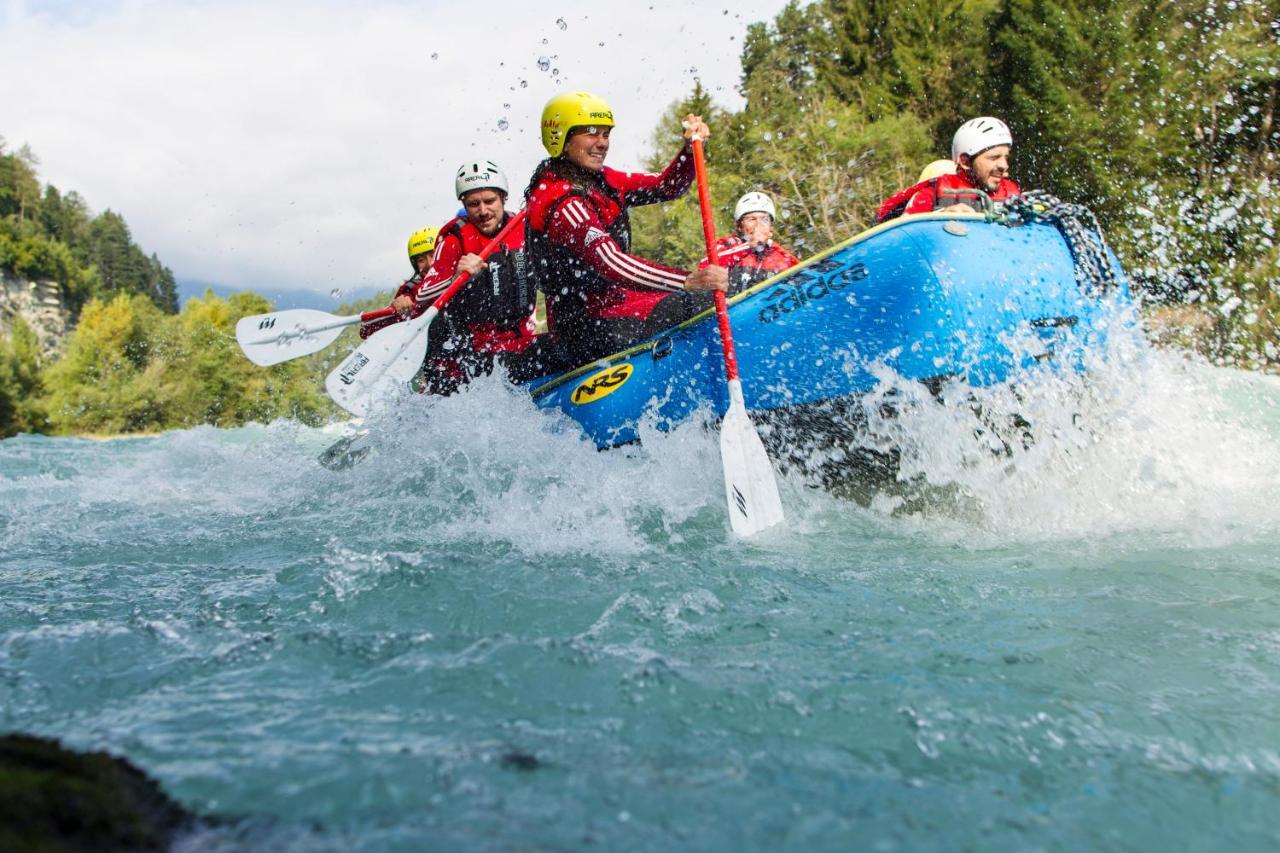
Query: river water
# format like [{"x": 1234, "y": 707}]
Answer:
[{"x": 489, "y": 636}]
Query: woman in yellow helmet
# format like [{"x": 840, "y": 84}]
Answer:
[
  {"x": 422, "y": 244},
  {"x": 600, "y": 298}
]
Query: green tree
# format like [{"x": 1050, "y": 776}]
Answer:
[
  {"x": 19, "y": 186},
  {"x": 66, "y": 219},
  {"x": 1073, "y": 79},
  {"x": 205, "y": 379},
  {"x": 98, "y": 385},
  {"x": 20, "y": 382}
]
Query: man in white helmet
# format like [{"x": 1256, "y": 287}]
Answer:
[
  {"x": 749, "y": 252},
  {"x": 980, "y": 150},
  {"x": 490, "y": 320}
]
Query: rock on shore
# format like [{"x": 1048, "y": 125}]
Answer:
[{"x": 53, "y": 798}]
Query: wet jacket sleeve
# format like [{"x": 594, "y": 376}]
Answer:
[
  {"x": 576, "y": 226},
  {"x": 923, "y": 201},
  {"x": 371, "y": 326},
  {"x": 729, "y": 250},
  {"x": 444, "y": 265},
  {"x": 652, "y": 187},
  {"x": 790, "y": 259}
]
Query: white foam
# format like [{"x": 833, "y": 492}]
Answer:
[{"x": 1146, "y": 440}]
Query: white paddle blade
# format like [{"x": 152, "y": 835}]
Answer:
[
  {"x": 367, "y": 375},
  {"x": 359, "y": 379},
  {"x": 268, "y": 339},
  {"x": 749, "y": 484},
  {"x": 409, "y": 361}
]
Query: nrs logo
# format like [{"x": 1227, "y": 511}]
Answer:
[{"x": 600, "y": 385}]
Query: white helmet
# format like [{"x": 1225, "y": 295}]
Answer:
[
  {"x": 484, "y": 175},
  {"x": 754, "y": 202},
  {"x": 978, "y": 134}
]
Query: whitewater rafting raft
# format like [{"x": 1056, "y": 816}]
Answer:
[{"x": 924, "y": 298}]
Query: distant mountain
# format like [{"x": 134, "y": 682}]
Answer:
[{"x": 281, "y": 298}]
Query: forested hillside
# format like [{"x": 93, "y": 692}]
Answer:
[
  {"x": 132, "y": 363},
  {"x": 1158, "y": 115},
  {"x": 47, "y": 235}
]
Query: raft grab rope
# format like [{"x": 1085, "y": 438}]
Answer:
[{"x": 1079, "y": 228}]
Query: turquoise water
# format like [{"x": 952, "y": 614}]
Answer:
[{"x": 489, "y": 636}]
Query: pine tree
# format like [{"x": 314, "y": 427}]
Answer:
[{"x": 19, "y": 186}]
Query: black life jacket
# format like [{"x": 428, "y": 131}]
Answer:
[{"x": 502, "y": 295}]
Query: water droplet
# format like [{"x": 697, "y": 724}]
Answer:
[
  {"x": 544, "y": 41},
  {"x": 435, "y": 56},
  {"x": 561, "y": 24},
  {"x": 336, "y": 293},
  {"x": 544, "y": 62},
  {"x": 503, "y": 124},
  {"x": 524, "y": 84},
  {"x": 602, "y": 44},
  {"x": 831, "y": 122},
  {"x": 555, "y": 72},
  {"x": 506, "y": 106},
  {"x": 768, "y": 137}
]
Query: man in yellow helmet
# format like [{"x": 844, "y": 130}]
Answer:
[{"x": 600, "y": 298}]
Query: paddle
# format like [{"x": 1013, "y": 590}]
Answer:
[
  {"x": 749, "y": 484},
  {"x": 268, "y": 339},
  {"x": 392, "y": 357}
]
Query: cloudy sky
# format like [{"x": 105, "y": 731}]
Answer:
[{"x": 293, "y": 146}]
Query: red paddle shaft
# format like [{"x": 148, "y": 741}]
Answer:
[
  {"x": 709, "y": 231},
  {"x": 453, "y": 288},
  {"x": 488, "y": 250}
]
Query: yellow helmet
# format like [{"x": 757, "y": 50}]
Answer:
[
  {"x": 568, "y": 110},
  {"x": 422, "y": 241},
  {"x": 937, "y": 169}
]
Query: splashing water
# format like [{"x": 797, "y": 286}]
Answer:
[{"x": 487, "y": 634}]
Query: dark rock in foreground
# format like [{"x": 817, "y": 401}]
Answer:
[{"x": 53, "y": 798}]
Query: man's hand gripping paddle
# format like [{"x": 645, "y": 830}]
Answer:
[
  {"x": 385, "y": 363},
  {"x": 749, "y": 482}
]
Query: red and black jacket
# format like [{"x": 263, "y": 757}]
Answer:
[
  {"x": 940, "y": 193},
  {"x": 578, "y": 241},
  {"x": 749, "y": 265}
]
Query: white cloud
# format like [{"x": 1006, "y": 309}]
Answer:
[{"x": 297, "y": 144}]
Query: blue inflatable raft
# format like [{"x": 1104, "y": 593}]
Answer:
[{"x": 929, "y": 297}]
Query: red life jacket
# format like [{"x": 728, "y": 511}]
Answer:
[
  {"x": 493, "y": 310},
  {"x": 940, "y": 193},
  {"x": 749, "y": 265}
]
